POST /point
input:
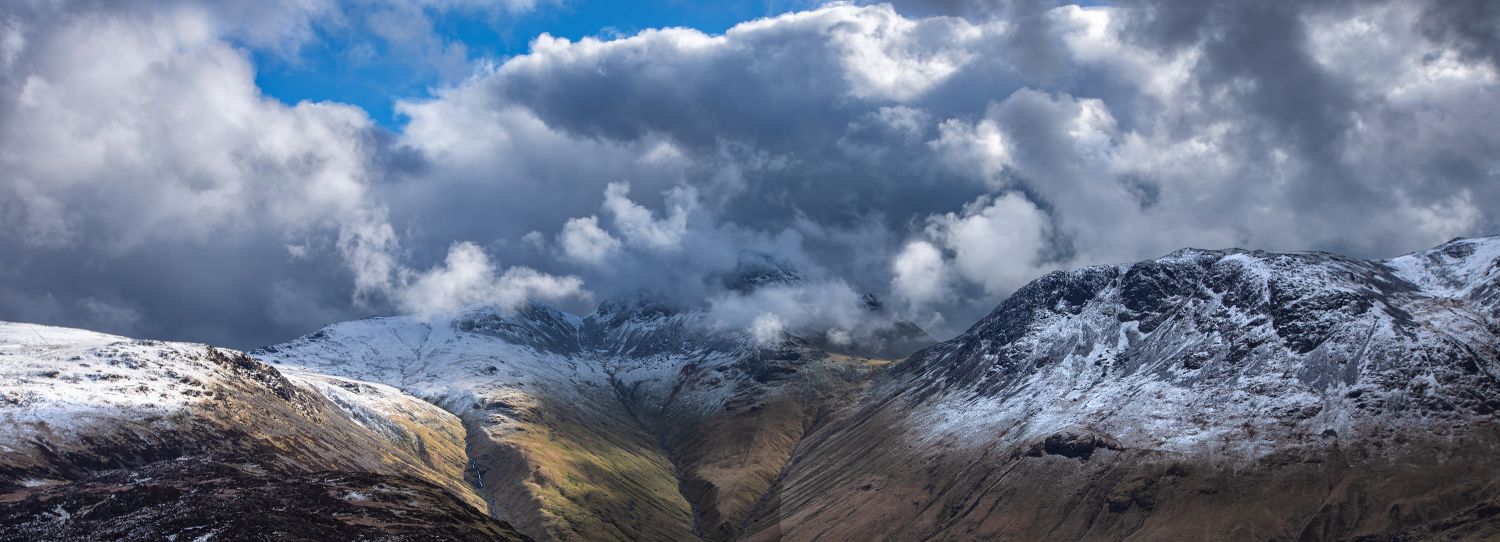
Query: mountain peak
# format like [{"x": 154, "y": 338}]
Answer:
[
  {"x": 1458, "y": 268},
  {"x": 1118, "y": 399},
  {"x": 756, "y": 270}
]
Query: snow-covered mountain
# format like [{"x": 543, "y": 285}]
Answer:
[
  {"x": 104, "y": 437},
  {"x": 638, "y": 421},
  {"x": 1203, "y": 395}
]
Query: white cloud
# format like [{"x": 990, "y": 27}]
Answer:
[
  {"x": 905, "y": 120},
  {"x": 920, "y": 274},
  {"x": 979, "y": 150},
  {"x": 767, "y": 329},
  {"x": 467, "y": 277},
  {"x": 639, "y": 226},
  {"x": 887, "y": 56},
  {"x": 168, "y": 138},
  {"x": 808, "y": 308},
  {"x": 584, "y": 241},
  {"x": 996, "y": 242}
]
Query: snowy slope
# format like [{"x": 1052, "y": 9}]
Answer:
[
  {"x": 635, "y": 387},
  {"x": 61, "y": 379},
  {"x": 1248, "y": 363},
  {"x": 1460, "y": 269},
  {"x": 1236, "y": 350},
  {"x": 76, "y": 403}
]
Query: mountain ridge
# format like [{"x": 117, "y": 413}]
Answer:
[
  {"x": 1205, "y": 394},
  {"x": 110, "y": 437},
  {"x": 1141, "y": 384}
]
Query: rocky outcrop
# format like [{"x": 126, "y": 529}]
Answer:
[{"x": 1073, "y": 444}]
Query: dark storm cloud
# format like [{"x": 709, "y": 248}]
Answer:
[
  {"x": 937, "y": 154},
  {"x": 1470, "y": 26},
  {"x": 1257, "y": 63},
  {"x": 1256, "y": 56}
]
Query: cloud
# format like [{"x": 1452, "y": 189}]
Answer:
[
  {"x": 998, "y": 243},
  {"x": 935, "y": 153},
  {"x": 767, "y": 329},
  {"x": 993, "y": 246},
  {"x": 920, "y": 274},
  {"x": 1470, "y": 27},
  {"x": 638, "y": 225},
  {"x": 163, "y": 146},
  {"x": 164, "y": 154},
  {"x": 583, "y": 241},
  {"x": 111, "y": 316},
  {"x": 976, "y": 150},
  {"x": 467, "y": 277},
  {"x": 810, "y": 308}
]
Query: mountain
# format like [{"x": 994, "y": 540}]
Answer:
[
  {"x": 1218, "y": 395},
  {"x": 639, "y": 421},
  {"x": 104, "y": 437},
  {"x": 1203, "y": 395}
]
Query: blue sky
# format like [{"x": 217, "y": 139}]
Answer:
[{"x": 351, "y": 65}]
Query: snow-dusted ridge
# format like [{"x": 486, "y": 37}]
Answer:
[
  {"x": 1232, "y": 350},
  {"x": 600, "y": 415},
  {"x": 567, "y": 421},
  {"x": 1457, "y": 269},
  {"x": 460, "y": 358},
  {"x": 58, "y": 379},
  {"x": 76, "y": 403},
  {"x": 456, "y": 359},
  {"x": 1206, "y": 394}
]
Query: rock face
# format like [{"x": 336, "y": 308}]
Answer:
[
  {"x": 202, "y": 498},
  {"x": 1203, "y": 395},
  {"x": 1070, "y": 444}
]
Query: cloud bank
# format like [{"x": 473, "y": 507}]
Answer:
[{"x": 937, "y": 155}]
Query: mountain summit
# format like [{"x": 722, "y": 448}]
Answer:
[{"x": 1208, "y": 394}]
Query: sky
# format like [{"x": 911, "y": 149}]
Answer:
[
  {"x": 242, "y": 172},
  {"x": 357, "y": 62}
]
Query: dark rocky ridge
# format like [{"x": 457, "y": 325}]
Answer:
[{"x": 222, "y": 498}]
